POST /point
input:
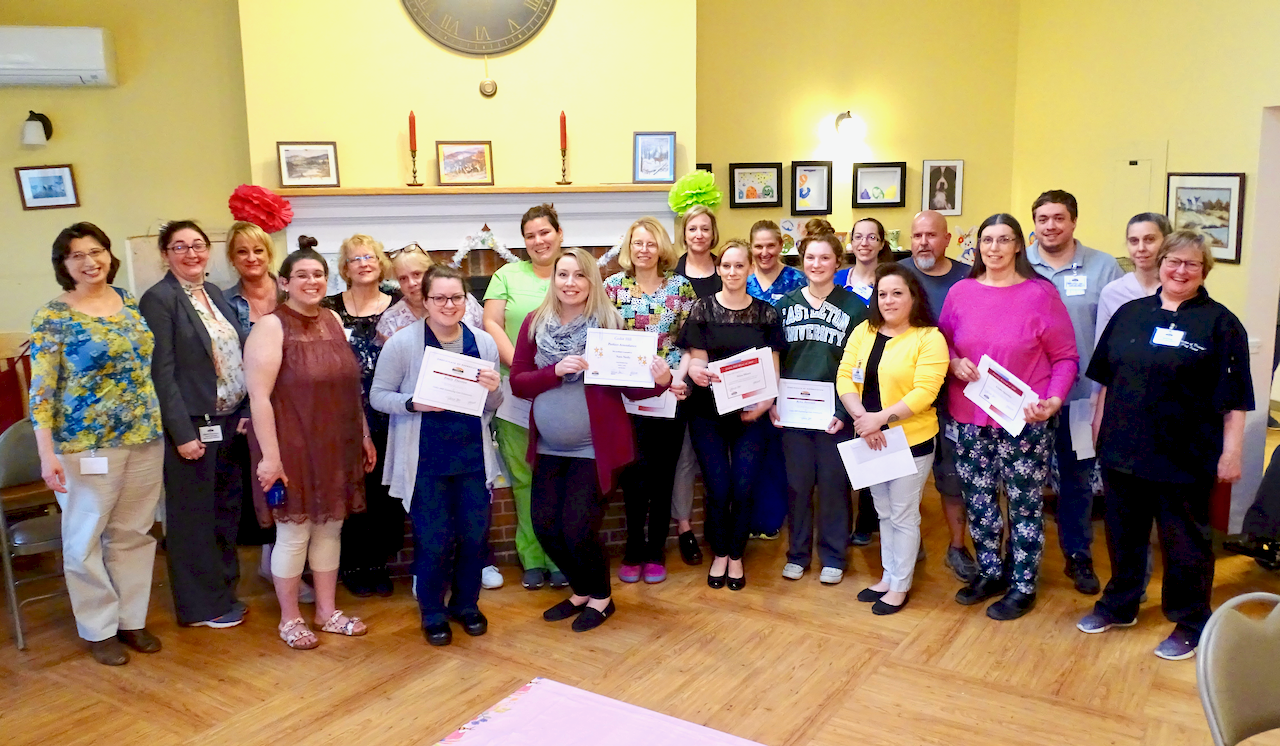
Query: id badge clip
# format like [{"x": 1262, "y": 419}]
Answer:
[
  {"x": 210, "y": 433},
  {"x": 1168, "y": 337},
  {"x": 1075, "y": 284},
  {"x": 93, "y": 463}
]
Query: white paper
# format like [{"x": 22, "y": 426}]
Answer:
[
  {"x": 451, "y": 381},
  {"x": 745, "y": 379},
  {"x": 808, "y": 405},
  {"x": 1080, "y": 419},
  {"x": 1001, "y": 394},
  {"x": 867, "y": 467},
  {"x": 663, "y": 406},
  {"x": 617, "y": 357},
  {"x": 513, "y": 409}
]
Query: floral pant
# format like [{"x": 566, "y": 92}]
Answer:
[{"x": 987, "y": 456}]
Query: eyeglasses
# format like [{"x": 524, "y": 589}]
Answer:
[
  {"x": 80, "y": 256},
  {"x": 1003, "y": 241},
  {"x": 444, "y": 300},
  {"x": 361, "y": 258},
  {"x": 303, "y": 276},
  {"x": 1176, "y": 264},
  {"x": 199, "y": 247},
  {"x": 406, "y": 249},
  {"x": 644, "y": 245},
  {"x": 867, "y": 237}
]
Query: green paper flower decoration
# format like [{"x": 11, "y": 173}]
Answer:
[{"x": 694, "y": 188}]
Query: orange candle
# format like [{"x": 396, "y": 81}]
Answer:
[
  {"x": 413, "y": 132},
  {"x": 564, "y": 134}
]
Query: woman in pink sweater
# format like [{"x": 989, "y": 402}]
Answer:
[{"x": 1008, "y": 313}]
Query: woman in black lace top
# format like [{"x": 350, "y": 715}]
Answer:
[{"x": 730, "y": 447}]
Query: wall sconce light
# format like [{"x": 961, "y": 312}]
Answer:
[
  {"x": 840, "y": 118},
  {"x": 37, "y": 130}
]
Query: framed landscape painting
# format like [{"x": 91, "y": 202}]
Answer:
[
  {"x": 47, "y": 187},
  {"x": 308, "y": 164},
  {"x": 1211, "y": 204},
  {"x": 467, "y": 163},
  {"x": 653, "y": 157}
]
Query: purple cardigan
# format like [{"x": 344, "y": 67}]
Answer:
[{"x": 612, "y": 436}]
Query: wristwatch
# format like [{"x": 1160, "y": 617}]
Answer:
[{"x": 408, "y": 404}]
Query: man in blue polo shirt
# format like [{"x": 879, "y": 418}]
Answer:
[{"x": 1079, "y": 273}]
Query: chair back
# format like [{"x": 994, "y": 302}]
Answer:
[
  {"x": 1238, "y": 670},
  {"x": 19, "y": 457}
]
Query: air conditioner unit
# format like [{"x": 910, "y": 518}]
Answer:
[{"x": 56, "y": 56}]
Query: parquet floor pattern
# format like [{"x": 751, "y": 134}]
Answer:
[{"x": 781, "y": 662}]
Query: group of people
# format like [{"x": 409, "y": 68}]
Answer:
[{"x": 1139, "y": 384}]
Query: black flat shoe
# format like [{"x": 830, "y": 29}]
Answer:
[
  {"x": 563, "y": 610},
  {"x": 736, "y": 584},
  {"x": 358, "y": 582},
  {"x": 380, "y": 582},
  {"x": 589, "y": 619},
  {"x": 880, "y": 608},
  {"x": 867, "y": 596},
  {"x": 980, "y": 590},
  {"x": 473, "y": 622},
  {"x": 716, "y": 581},
  {"x": 1014, "y": 604},
  {"x": 438, "y": 635},
  {"x": 690, "y": 552}
]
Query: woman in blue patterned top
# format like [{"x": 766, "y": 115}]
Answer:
[
  {"x": 97, "y": 425},
  {"x": 651, "y": 297}
]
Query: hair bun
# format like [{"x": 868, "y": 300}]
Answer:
[{"x": 307, "y": 242}]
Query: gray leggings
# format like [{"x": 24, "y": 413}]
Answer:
[{"x": 686, "y": 470}]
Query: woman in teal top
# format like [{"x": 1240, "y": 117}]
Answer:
[{"x": 97, "y": 426}]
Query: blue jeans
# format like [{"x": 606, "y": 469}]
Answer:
[
  {"x": 449, "y": 510},
  {"x": 730, "y": 453},
  {"x": 1075, "y": 493}
]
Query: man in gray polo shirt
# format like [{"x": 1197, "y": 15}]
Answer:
[{"x": 1079, "y": 273}]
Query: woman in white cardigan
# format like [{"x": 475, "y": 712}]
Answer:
[{"x": 436, "y": 460}]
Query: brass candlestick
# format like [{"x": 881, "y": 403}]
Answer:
[
  {"x": 563, "y": 168},
  {"x": 413, "y": 154}
]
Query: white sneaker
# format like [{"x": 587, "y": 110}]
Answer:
[
  {"x": 490, "y": 578},
  {"x": 792, "y": 571},
  {"x": 831, "y": 575}
]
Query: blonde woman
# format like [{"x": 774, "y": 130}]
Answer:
[
  {"x": 579, "y": 435},
  {"x": 409, "y": 265}
]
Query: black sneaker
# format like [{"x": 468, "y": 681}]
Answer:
[
  {"x": 980, "y": 589},
  {"x": 961, "y": 563},
  {"x": 859, "y": 539},
  {"x": 1079, "y": 568},
  {"x": 690, "y": 552},
  {"x": 359, "y": 582}
]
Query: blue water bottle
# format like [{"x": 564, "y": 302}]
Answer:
[{"x": 275, "y": 495}]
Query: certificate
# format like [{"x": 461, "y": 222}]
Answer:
[
  {"x": 1080, "y": 420},
  {"x": 620, "y": 358},
  {"x": 867, "y": 467},
  {"x": 451, "y": 381},
  {"x": 663, "y": 406},
  {"x": 513, "y": 409},
  {"x": 1000, "y": 394},
  {"x": 809, "y": 405},
  {"x": 745, "y": 378}
]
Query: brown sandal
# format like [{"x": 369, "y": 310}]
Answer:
[
  {"x": 297, "y": 635},
  {"x": 353, "y": 627}
]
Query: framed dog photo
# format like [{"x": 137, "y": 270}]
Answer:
[
  {"x": 653, "y": 158},
  {"x": 880, "y": 184},
  {"x": 811, "y": 187},
  {"x": 942, "y": 186},
  {"x": 1211, "y": 205},
  {"x": 755, "y": 185},
  {"x": 47, "y": 187},
  {"x": 464, "y": 163},
  {"x": 308, "y": 164}
]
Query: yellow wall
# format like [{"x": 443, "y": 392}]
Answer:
[
  {"x": 932, "y": 79},
  {"x": 1101, "y": 81},
  {"x": 350, "y": 72},
  {"x": 168, "y": 141}
]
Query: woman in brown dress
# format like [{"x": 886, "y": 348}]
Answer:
[{"x": 310, "y": 435}]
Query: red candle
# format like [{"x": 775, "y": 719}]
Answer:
[
  {"x": 413, "y": 132},
  {"x": 564, "y": 135}
]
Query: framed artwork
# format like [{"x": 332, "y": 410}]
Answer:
[
  {"x": 47, "y": 187},
  {"x": 464, "y": 163},
  {"x": 755, "y": 185},
  {"x": 653, "y": 158},
  {"x": 880, "y": 184},
  {"x": 308, "y": 164},
  {"x": 942, "y": 186},
  {"x": 1211, "y": 205},
  {"x": 704, "y": 167},
  {"x": 811, "y": 187}
]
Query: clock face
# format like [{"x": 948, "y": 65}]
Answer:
[{"x": 480, "y": 26}]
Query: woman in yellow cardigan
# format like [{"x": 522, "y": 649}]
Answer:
[{"x": 893, "y": 366}]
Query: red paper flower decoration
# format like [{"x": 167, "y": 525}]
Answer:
[{"x": 262, "y": 207}]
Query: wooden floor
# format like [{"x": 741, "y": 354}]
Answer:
[{"x": 780, "y": 663}]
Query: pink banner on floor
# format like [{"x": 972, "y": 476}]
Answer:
[{"x": 548, "y": 713}]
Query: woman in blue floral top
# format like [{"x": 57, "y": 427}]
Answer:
[
  {"x": 651, "y": 297},
  {"x": 97, "y": 426}
]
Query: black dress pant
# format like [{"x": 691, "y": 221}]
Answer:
[
  {"x": 567, "y": 510},
  {"x": 732, "y": 454},
  {"x": 812, "y": 459},
  {"x": 1181, "y": 514},
  {"x": 868, "y": 521},
  {"x": 372, "y": 538},
  {"x": 202, "y": 501},
  {"x": 647, "y": 486}
]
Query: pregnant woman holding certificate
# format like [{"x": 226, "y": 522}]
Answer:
[
  {"x": 1010, "y": 335},
  {"x": 892, "y": 369},
  {"x": 734, "y": 342},
  {"x": 579, "y": 435}
]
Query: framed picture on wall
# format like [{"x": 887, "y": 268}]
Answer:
[
  {"x": 1211, "y": 205},
  {"x": 880, "y": 184},
  {"x": 811, "y": 187},
  {"x": 308, "y": 164},
  {"x": 942, "y": 186},
  {"x": 755, "y": 185},
  {"x": 47, "y": 187},
  {"x": 653, "y": 158},
  {"x": 464, "y": 163},
  {"x": 704, "y": 167}
]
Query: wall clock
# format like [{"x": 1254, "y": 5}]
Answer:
[{"x": 487, "y": 27}]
